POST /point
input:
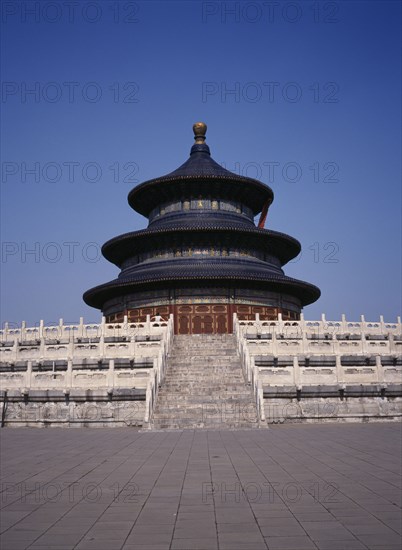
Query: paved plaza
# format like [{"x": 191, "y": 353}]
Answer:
[{"x": 291, "y": 487}]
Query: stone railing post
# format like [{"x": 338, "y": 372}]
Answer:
[
  {"x": 391, "y": 342},
  {"x": 279, "y": 325},
  {"x": 380, "y": 370},
  {"x": 16, "y": 349},
  {"x": 111, "y": 374},
  {"x": 304, "y": 340},
  {"x": 148, "y": 400},
  {"x": 302, "y": 324},
  {"x": 28, "y": 376},
  {"x": 69, "y": 374},
  {"x": 274, "y": 341},
  {"x": 344, "y": 324},
  {"x": 42, "y": 341},
  {"x": 339, "y": 369},
  {"x": 261, "y": 406},
  {"x": 296, "y": 372},
  {"x": 363, "y": 324},
  {"x": 102, "y": 328}
]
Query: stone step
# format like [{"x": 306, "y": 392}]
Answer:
[
  {"x": 205, "y": 382},
  {"x": 226, "y": 378},
  {"x": 196, "y": 355},
  {"x": 186, "y": 417},
  {"x": 208, "y": 347},
  {"x": 203, "y": 359},
  {"x": 243, "y": 405},
  {"x": 201, "y": 426},
  {"x": 204, "y": 386},
  {"x": 204, "y": 368},
  {"x": 209, "y": 337},
  {"x": 221, "y": 370},
  {"x": 197, "y": 386},
  {"x": 203, "y": 401},
  {"x": 205, "y": 420},
  {"x": 227, "y": 372},
  {"x": 202, "y": 390},
  {"x": 217, "y": 374},
  {"x": 219, "y": 366},
  {"x": 194, "y": 343},
  {"x": 206, "y": 416},
  {"x": 194, "y": 359}
]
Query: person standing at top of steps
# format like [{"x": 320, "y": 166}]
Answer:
[{"x": 158, "y": 318}]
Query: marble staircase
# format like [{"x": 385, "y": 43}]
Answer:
[{"x": 204, "y": 386}]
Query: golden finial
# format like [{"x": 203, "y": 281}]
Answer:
[{"x": 199, "y": 129}]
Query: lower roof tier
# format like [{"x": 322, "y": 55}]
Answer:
[{"x": 176, "y": 274}]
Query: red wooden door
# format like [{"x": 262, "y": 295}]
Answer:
[{"x": 184, "y": 324}]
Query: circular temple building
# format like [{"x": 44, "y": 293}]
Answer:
[{"x": 201, "y": 257}]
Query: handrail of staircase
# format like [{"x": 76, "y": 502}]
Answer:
[
  {"x": 250, "y": 370},
  {"x": 157, "y": 375}
]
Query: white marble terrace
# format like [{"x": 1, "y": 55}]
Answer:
[
  {"x": 91, "y": 356},
  {"x": 109, "y": 356},
  {"x": 320, "y": 353}
]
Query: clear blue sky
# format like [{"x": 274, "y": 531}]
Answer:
[{"x": 102, "y": 95}]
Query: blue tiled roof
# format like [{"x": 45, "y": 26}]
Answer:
[{"x": 200, "y": 163}]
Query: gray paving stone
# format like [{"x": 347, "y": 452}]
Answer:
[
  {"x": 233, "y": 515},
  {"x": 159, "y": 529},
  {"x": 238, "y": 528},
  {"x": 58, "y": 540},
  {"x": 374, "y": 528},
  {"x": 194, "y": 544},
  {"x": 240, "y": 538},
  {"x": 19, "y": 534},
  {"x": 239, "y": 546},
  {"x": 168, "y": 470},
  {"x": 282, "y": 527},
  {"x": 375, "y": 539},
  {"x": 346, "y": 545},
  {"x": 149, "y": 538},
  {"x": 99, "y": 545},
  {"x": 195, "y": 532},
  {"x": 290, "y": 543},
  {"x": 327, "y": 531},
  {"x": 268, "y": 511},
  {"x": 319, "y": 517},
  {"x": 158, "y": 518}
]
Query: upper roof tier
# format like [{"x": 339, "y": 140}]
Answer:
[{"x": 200, "y": 174}]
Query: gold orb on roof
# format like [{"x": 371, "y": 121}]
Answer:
[{"x": 199, "y": 129}]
